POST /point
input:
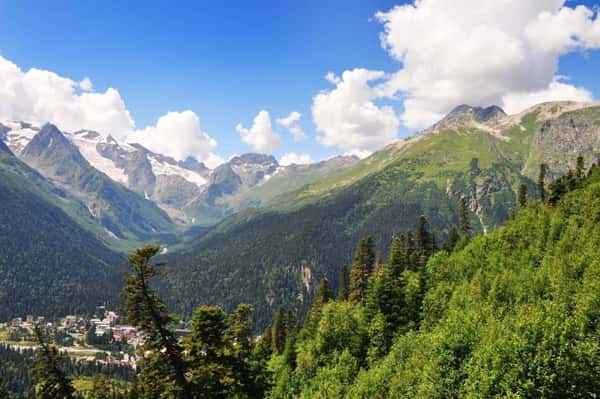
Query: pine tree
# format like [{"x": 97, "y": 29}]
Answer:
[
  {"x": 424, "y": 238},
  {"x": 542, "y": 182},
  {"x": 145, "y": 308},
  {"x": 323, "y": 294},
  {"x": 452, "y": 239},
  {"x": 397, "y": 261},
  {"x": 51, "y": 380},
  {"x": 211, "y": 354},
  {"x": 344, "y": 282},
  {"x": 362, "y": 267},
  {"x": 279, "y": 330},
  {"x": 580, "y": 167},
  {"x": 557, "y": 188},
  {"x": 410, "y": 251},
  {"x": 463, "y": 218},
  {"x": 522, "y": 195}
]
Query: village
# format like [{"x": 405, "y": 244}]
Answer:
[{"x": 103, "y": 337}]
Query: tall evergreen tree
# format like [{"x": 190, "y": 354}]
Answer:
[
  {"x": 452, "y": 239},
  {"x": 144, "y": 308},
  {"x": 463, "y": 218},
  {"x": 522, "y": 195},
  {"x": 210, "y": 354},
  {"x": 323, "y": 294},
  {"x": 344, "y": 284},
  {"x": 51, "y": 380},
  {"x": 542, "y": 182},
  {"x": 424, "y": 238},
  {"x": 279, "y": 330},
  {"x": 362, "y": 267},
  {"x": 397, "y": 261},
  {"x": 580, "y": 167}
]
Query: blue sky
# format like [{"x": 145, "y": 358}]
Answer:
[{"x": 225, "y": 61}]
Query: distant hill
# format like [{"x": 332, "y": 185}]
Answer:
[{"x": 276, "y": 254}]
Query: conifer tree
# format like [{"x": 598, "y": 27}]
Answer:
[
  {"x": 211, "y": 354},
  {"x": 452, "y": 239},
  {"x": 279, "y": 330},
  {"x": 580, "y": 167},
  {"x": 557, "y": 189},
  {"x": 362, "y": 267},
  {"x": 522, "y": 195},
  {"x": 463, "y": 218},
  {"x": 542, "y": 182},
  {"x": 323, "y": 294},
  {"x": 424, "y": 238},
  {"x": 397, "y": 261},
  {"x": 51, "y": 380},
  {"x": 410, "y": 253},
  {"x": 164, "y": 366},
  {"x": 344, "y": 283}
]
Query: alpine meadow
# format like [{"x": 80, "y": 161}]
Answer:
[{"x": 300, "y": 200}]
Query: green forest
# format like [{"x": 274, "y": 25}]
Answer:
[{"x": 515, "y": 313}]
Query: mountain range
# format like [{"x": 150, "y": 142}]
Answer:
[
  {"x": 276, "y": 254},
  {"x": 252, "y": 230}
]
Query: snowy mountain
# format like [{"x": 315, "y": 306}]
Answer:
[{"x": 187, "y": 190}]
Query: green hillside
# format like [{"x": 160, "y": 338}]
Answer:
[
  {"x": 277, "y": 254},
  {"x": 49, "y": 264},
  {"x": 512, "y": 314}
]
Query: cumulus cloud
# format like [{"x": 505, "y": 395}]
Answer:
[
  {"x": 332, "y": 78},
  {"x": 260, "y": 135},
  {"x": 86, "y": 84},
  {"x": 482, "y": 53},
  {"x": 176, "y": 134},
  {"x": 290, "y": 123},
  {"x": 41, "y": 96},
  {"x": 348, "y": 116},
  {"x": 556, "y": 91},
  {"x": 291, "y": 158}
]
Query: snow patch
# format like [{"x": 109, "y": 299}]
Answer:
[
  {"x": 18, "y": 138},
  {"x": 165, "y": 168},
  {"x": 111, "y": 234},
  {"x": 87, "y": 147}
]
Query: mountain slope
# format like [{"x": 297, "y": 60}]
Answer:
[
  {"x": 514, "y": 314},
  {"x": 49, "y": 264},
  {"x": 275, "y": 255},
  {"x": 122, "y": 213}
]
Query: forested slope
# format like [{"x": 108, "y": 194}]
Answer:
[
  {"x": 515, "y": 313},
  {"x": 277, "y": 255},
  {"x": 49, "y": 265}
]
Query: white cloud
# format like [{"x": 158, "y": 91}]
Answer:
[
  {"x": 290, "y": 123},
  {"x": 261, "y": 135},
  {"x": 298, "y": 159},
  {"x": 358, "y": 153},
  {"x": 556, "y": 91},
  {"x": 289, "y": 120},
  {"x": 332, "y": 78},
  {"x": 482, "y": 53},
  {"x": 347, "y": 116},
  {"x": 176, "y": 134},
  {"x": 86, "y": 84},
  {"x": 41, "y": 96}
]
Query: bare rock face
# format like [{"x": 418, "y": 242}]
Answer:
[
  {"x": 559, "y": 141},
  {"x": 466, "y": 115}
]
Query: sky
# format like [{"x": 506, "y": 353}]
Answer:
[{"x": 303, "y": 80}]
